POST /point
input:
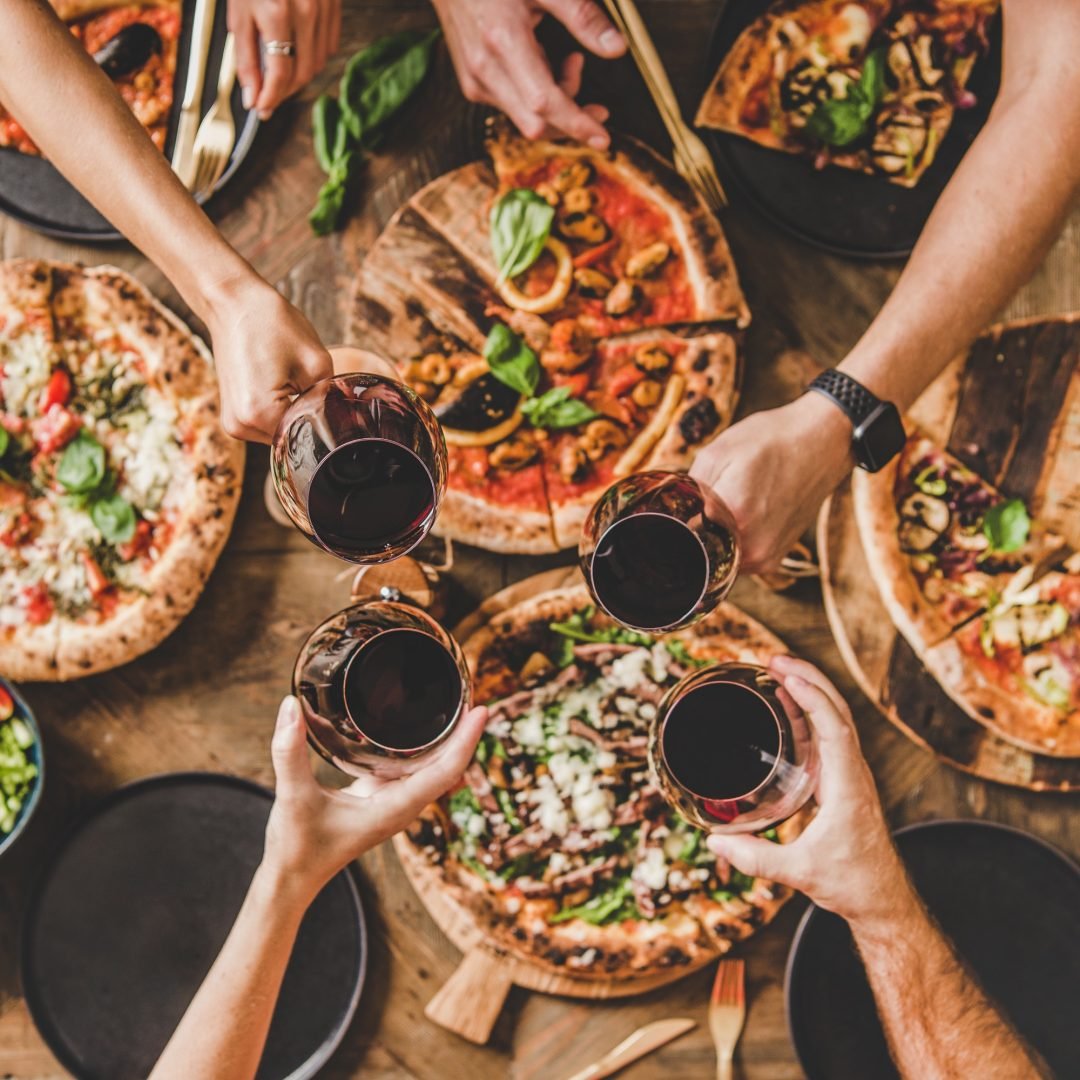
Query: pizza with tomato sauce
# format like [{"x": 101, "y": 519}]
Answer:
[
  {"x": 118, "y": 485},
  {"x": 571, "y": 317},
  {"x": 135, "y": 44}
]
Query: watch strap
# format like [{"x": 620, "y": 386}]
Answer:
[{"x": 849, "y": 394}]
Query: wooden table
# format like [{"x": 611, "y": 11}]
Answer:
[{"x": 206, "y": 699}]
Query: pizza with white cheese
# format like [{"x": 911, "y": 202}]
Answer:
[{"x": 118, "y": 485}]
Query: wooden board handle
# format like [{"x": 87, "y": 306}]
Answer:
[{"x": 470, "y": 1001}]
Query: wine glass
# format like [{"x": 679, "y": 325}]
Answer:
[
  {"x": 659, "y": 551},
  {"x": 359, "y": 465},
  {"x": 731, "y": 754},
  {"x": 381, "y": 684}
]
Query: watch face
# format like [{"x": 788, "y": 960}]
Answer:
[{"x": 879, "y": 438}]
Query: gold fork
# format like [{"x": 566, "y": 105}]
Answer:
[
  {"x": 727, "y": 1012},
  {"x": 217, "y": 133}
]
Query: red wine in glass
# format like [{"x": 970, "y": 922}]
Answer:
[
  {"x": 359, "y": 464},
  {"x": 726, "y": 752},
  {"x": 658, "y": 552},
  {"x": 381, "y": 684}
]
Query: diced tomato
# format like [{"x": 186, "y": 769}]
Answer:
[
  {"x": 7, "y": 704},
  {"x": 96, "y": 580},
  {"x": 10, "y": 495},
  {"x": 55, "y": 429},
  {"x": 37, "y": 603},
  {"x": 144, "y": 534},
  {"x": 14, "y": 425},
  {"x": 625, "y": 379},
  {"x": 20, "y": 531},
  {"x": 578, "y": 382},
  {"x": 57, "y": 392},
  {"x": 596, "y": 254}
]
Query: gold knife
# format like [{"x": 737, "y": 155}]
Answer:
[
  {"x": 202, "y": 29},
  {"x": 643, "y": 1041}
]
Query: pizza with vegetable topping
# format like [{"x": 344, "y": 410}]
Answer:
[
  {"x": 870, "y": 85},
  {"x": 118, "y": 485},
  {"x": 557, "y": 842}
]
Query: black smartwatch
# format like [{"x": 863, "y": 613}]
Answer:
[{"x": 877, "y": 432}]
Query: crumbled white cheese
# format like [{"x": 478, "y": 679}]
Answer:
[
  {"x": 151, "y": 458},
  {"x": 529, "y": 730},
  {"x": 652, "y": 870},
  {"x": 26, "y": 366},
  {"x": 559, "y": 863},
  {"x": 628, "y": 670}
]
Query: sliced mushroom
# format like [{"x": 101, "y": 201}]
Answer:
[
  {"x": 573, "y": 463},
  {"x": 434, "y": 368},
  {"x": 577, "y": 200},
  {"x": 652, "y": 358},
  {"x": 1040, "y": 623},
  {"x": 789, "y": 32},
  {"x": 586, "y": 226},
  {"x": 899, "y": 142},
  {"x": 930, "y": 73},
  {"x": 537, "y": 664},
  {"x": 802, "y": 88},
  {"x": 923, "y": 101},
  {"x": 514, "y": 453},
  {"x": 601, "y": 436},
  {"x": 648, "y": 260},
  {"x": 622, "y": 299},
  {"x": 922, "y": 520},
  {"x": 647, "y": 393},
  {"x": 576, "y": 174},
  {"x": 592, "y": 282}
]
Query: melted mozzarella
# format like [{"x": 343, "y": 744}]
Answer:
[{"x": 26, "y": 368}]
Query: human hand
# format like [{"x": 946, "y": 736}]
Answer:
[
  {"x": 313, "y": 27},
  {"x": 499, "y": 62},
  {"x": 773, "y": 469},
  {"x": 265, "y": 352},
  {"x": 844, "y": 860},
  {"x": 314, "y": 832}
]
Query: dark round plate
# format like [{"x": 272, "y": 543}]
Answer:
[
  {"x": 842, "y": 211},
  {"x": 1007, "y": 899},
  {"x": 33, "y": 192},
  {"x": 135, "y": 907}
]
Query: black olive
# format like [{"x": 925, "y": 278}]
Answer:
[
  {"x": 699, "y": 420},
  {"x": 128, "y": 50},
  {"x": 484, "y": 403}
]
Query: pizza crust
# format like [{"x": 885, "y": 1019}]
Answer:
[{"x": 504, "y": 529}]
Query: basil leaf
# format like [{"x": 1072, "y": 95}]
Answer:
[
  {"x": 840, "y": 121},
  {"x": 520, "y": 225},
  {"x": 1007, "y": 525},
  {"x": 326, "y": 213},
  {"x": 114, "y": 518},
  {"x": 872, "y": 79},
  {"x": 4, "y": 440},
  {"x": 512, "y": 362},
  {"x": 557, "y": 409},
  {"x": 327, "y": 126},
  {"x": 82, "y": 466}
]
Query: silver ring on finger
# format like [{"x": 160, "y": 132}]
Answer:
[{"x": 279, "y": 48}]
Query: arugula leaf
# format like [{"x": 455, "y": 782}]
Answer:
[
  {"x": 557, "y": 409},
  {"x": 576, "y": 628},
  {"x": 986, "y": 638},
  {"x": 520, "y": 226},
  {"x": 506, "y": 805},
  {"x": 464, "y": 799},
  {"x": 615, "y": 902},
  {"x": 115, "y": 519},
  {"x": 512, "y": 362},
  {"x": 82, "y": 465},
  {"x": 840, "y": 121},
  {"x": 489, "y": 747},
  {"x": 1007, "y": 525},
  {"x": 679, "y": 652},
  {"x": 4, "y": 440}
]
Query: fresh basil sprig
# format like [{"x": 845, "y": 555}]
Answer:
[
  {"x": 1007, "y": 525},
  {"x": 840, "y": 121},
  {"x": 84, "y": 473},
  {"x": 82, "y": 466},
  {"x": 377, "y": 81},
  {"x": 115, "y": 518},
  {"x": 520, "y": 226},
  {"x": 557, "y": 409},
  {"x": 512, "y": 361}
]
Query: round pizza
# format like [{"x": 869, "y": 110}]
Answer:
[
  {"x": 558, "y": 844},
  {"x": 571, "y": 317},
  {"x": 118, "y": 485}
]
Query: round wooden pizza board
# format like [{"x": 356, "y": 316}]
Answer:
[
  {"x": 1011, "y": 409},
  {"x": 470, "y": 1001}
]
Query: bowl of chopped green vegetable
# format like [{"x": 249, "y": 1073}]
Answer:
[{"x": 22, "y": 767}]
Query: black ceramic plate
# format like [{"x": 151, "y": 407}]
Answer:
[
  {"x": 136, "y": 905},
  {"x": 33, "y": 192},
  {"x": 845, "y": 212},
  {"x": 1008, "y": 901}
]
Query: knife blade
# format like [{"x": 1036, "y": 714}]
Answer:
[
  {"x": 202, "y": 29},
  {"x": 643, "y": 1041}
]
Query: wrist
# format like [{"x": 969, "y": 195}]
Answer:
[
  {"x": 287, "y": 892},
  {"x": 823, "y": 425},
  {"x": 896, "y": 909},
  {"x": 221, "y": 285}
]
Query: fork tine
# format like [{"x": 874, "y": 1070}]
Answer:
[{"x": 728, "y": 985}]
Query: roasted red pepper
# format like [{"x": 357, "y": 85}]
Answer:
[
  {"x": 37, "y": 603},
  {"x": 57, "y": 392},
  {"x": 55, "y": 429}
]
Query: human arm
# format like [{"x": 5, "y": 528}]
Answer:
[
  {"x": 265, "y": 350},
  {"x": 937, "y": 1020},
  {"x": 312, "y": 834},
  {"x": 993, "y": 224},
  {"x": 499, "y": 62}
]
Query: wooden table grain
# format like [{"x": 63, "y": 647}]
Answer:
[{"x": 206, "y": 698}]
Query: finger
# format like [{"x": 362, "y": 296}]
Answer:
[
  {"x": 248, "y": 71},
  {"x": 278, "y": 70},
  {"x": 754, "y": 856},
  {"x": 785, "y": 664},
  {"x": 570, "y": 77},
  {"x": 238, "y": 429},
  {"x": 288, "y": 749},
  {"x": 334, "y": 28},
  {"x": 589, "y": 25},
  {"x": 308, "y": 58},
  {"x": 599, "y": 113},
  {"x": 828, "y": 722}
]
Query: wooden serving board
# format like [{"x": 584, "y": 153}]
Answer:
[
  {"x": 470, "y": 1001},
  {"x": 1011, "y": 410}
]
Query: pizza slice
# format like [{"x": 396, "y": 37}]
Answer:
[
  {"x": 870, "y": 85},
  {"x": 941, "y": 542},
  {"x": 1016, "y": 669}
]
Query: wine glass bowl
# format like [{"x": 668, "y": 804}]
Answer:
[
  {"x": 381, "y": 684},
  {"x": 359, "y": 465},
  {"x": 658, "y": 551},
  {"x": 730, "y": 752}
]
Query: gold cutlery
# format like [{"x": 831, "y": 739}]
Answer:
[
  {"x": 217, "y": 133},
  {"x": 202, "y": 29},
  {"x": 643, "y": 1041},
  {"x": 727, "y": 1012}
]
